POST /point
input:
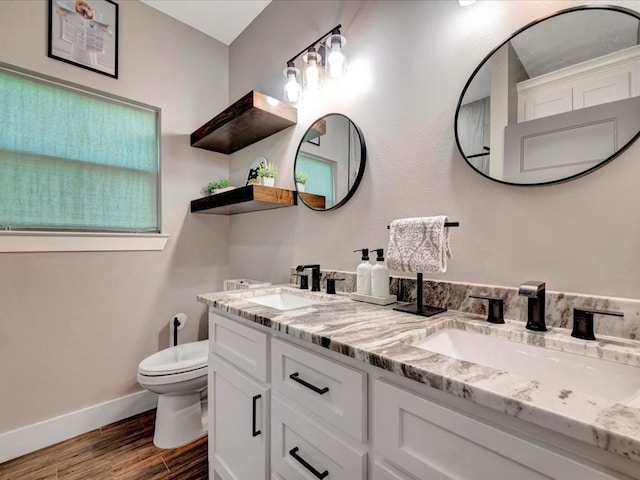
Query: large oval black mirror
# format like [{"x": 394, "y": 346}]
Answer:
[
  {"x": 556, "y": 100},
  {"x": 329, "y": 162}
]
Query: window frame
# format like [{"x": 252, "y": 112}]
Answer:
[{"x": 58, "y": 240}]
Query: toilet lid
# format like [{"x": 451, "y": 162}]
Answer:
[{"x": 182, "y": 358}]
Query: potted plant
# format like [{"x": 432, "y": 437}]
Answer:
[
  {"x": 301, "y": 181},
  {"x": 219, "y": 186},
  {"x": 268, "y": 173}
]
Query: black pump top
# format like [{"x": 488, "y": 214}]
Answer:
[
  {"x": 365, "y": 253},
  {"x": 380, "y": 254}
]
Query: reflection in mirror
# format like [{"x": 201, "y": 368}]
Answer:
[
  {"x": 558, "y": 99},
  {"x": 330, "y": 161}
]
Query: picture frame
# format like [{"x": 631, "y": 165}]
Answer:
[{"x": 84, "y": 33}]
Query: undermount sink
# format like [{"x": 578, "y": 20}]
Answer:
[
  {"x": 568, "y": 371},
  {"x": 284, "y": 301}
]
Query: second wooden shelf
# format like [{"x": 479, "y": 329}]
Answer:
[{"x": 251, "y": 198}]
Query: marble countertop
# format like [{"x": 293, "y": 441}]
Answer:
[{"x": 382, "y": 337}]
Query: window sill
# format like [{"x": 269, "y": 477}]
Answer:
[{"x": 80, "y": 241}]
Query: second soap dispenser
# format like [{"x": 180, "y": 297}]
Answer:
[
  {"x": 363, "y": 286},
  {"x": 380, "y": 276}
]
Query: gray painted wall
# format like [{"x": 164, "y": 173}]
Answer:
[
  {"x": 581, "y": 236},
  {"x": 74, "y": 326}
]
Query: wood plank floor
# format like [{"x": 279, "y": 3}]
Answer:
[{"x": 121, "y": 451}]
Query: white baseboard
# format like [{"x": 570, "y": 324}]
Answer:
[{"x": 39, "y": 435}]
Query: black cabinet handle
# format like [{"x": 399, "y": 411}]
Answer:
[
  {"x": 254, "y": 432},
  {"x": 296, "y": 378},
  {"x": 294, "y": 453}
]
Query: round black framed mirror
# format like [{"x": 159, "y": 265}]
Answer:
[
  {"x": 330, "y": 162},
  {"x": 556, "y": 100}
]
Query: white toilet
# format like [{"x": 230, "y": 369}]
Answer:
[{"x": 179, "y": 376}]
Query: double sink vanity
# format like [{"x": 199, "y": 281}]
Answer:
[{"x": 306, "y": 385}]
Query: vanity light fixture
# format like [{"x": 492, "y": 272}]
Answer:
[
  {"x": 326, "y": 53},
  {"x": 466, "y": 3}
]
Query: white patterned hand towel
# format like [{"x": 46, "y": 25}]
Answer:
[{"x": 419, "y": 244}]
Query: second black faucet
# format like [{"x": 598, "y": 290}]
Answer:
[{"x": 315, "y": 275}]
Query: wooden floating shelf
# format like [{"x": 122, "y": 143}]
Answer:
[
  {"x": 251, "y": 198},
  {"x": 249, "y": 120},
  {"x": 312, "y": 200}
]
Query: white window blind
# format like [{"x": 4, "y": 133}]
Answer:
[{"x": 75, "y": 160}]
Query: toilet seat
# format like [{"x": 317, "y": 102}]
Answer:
[{"x": 188, "y": 358}]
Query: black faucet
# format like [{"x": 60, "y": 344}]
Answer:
[
  {"x": 535, "y": 293},
  {"x": 583, "y": 321},
  {"x": 315, "y": 275},
  {"x": 495, "y": 311}
]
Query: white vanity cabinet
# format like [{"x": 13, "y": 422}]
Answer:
[
  {"x": 284, "y": 409},
  {"x": 239, "y": 399}
]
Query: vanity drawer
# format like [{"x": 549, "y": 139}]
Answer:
[
  {"x": 431, "y": 441},
  {"x": 302, "y": 450},
  {"x": 240, "y": 345},
  {"x": 334, "y": 392}
]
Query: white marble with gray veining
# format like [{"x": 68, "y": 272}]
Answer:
[
  {"x": 455, "y": 296},
  {"x": 381, "y": 337}
]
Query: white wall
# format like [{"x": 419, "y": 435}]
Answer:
[
  {"x": 581, "y": 236},
  {"x": 74, "y": 326}
]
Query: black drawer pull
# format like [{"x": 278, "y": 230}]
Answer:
[
  {"x": 254, "y": 432},
  {"x": 294, "y": 453},
  {"x": 296, "y": 378}
]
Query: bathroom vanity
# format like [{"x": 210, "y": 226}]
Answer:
[{"x": 305, "y": 385}]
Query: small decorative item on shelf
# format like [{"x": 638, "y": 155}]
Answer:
[
  {"x": 301, "y": 181},
  {"x": 222, "y": 185},
  {"x": 268, "y": 173}
]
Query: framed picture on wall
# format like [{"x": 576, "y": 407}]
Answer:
[{"x": 85, "y": 33}]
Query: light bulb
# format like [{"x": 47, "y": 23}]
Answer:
[
  {"x": 313, "y": 76},
  {"x": 336, "y": 60},
  {"x": 336, "y": 64},
  {"x": 312, "y": 73},
  {"x": 292, "y": 87},
  {"x": 292, "y": 90}
]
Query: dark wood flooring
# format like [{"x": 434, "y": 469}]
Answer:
[{"x": 122, "y": 450}]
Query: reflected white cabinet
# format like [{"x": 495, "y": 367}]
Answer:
[{"x": 597, "y": 81}]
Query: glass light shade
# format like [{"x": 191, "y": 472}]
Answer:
[
  {"x": 292, "y": 87},
  {"x": 336, "y": 60},
  {"x": 312, "y": 70}
]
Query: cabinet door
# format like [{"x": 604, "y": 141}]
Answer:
[
  {"x": 603, "y": 87},
  {"x": 238, "y": 424},
  {"x": 544, "y": 102},
  {"x": 241, "y": 346},
  {"x": 429, "y": 440}
]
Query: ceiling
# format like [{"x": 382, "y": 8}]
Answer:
[{"x": 223, "y": 20}]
